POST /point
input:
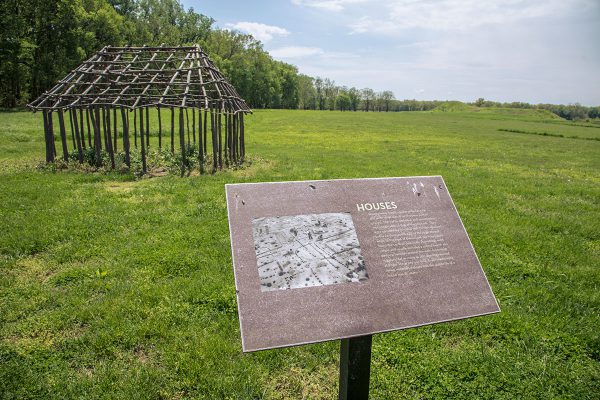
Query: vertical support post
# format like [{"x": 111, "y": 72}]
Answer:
[
  {"x": 134, "y": 129},
  {"x": 144, "y": 167},
  {"x": 97, "y": 136},
  {"x": 355, "y": 368},
  {"x": 77, "y": 136},
  {"x": 205, "y": 131},
  {"x": 109, "y": 141},
  {"x": 72, "y": 129},
  {"x": 148, "y": 127},
  {"x": 63, "y": 135},
  {"x": 242, "y": 139},
  {"x": 215, "y": 149},
  {"x": 89, "y": 131},
  {"x": 159, "y": 129},
  {"x": 220, "y": 133},
  {"x": 235, "y": 140},
  {"x": 82, "y": 129},
  {"x": 172, "y": 130},
  {"x": 187, "y": 123},
  {"x": 182, "y": 140},
  {"x": 201, "y": 146},
  {"x": 115, "y": 132},
  {"x": 106, "y": 137},
  {"x": 227, "y": 138},
  {"x": 52, "y": 138},
  {"x": 125, "y": 119},
  {"x": 194, "y": 124}
]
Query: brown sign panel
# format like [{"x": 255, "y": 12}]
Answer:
[{"x": 325, "y": 260}]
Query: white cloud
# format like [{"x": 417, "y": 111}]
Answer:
[
  {"x": 262, "y": 32},
  {"x": 330, "y": 5},
  {"x": 295, "y": 52},
  {"x": 400, "y": 15}
]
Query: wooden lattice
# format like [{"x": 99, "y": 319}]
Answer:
[{"x": 132, "y": 80}]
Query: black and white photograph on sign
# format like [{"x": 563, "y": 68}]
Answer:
[{"x": 307, "y": 250}]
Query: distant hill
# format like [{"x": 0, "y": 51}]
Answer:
[{"x": 457, "y": 106}]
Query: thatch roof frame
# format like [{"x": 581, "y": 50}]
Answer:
[{"x": 137, "y": 77}]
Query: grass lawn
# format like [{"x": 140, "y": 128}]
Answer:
[{"x": 122, "y": 288}]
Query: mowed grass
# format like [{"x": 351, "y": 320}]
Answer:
[{"x": 122, "y": 288}]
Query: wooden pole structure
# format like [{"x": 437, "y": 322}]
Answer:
[
  {"x": 132, "y": 78},
  {"x": 143, "y": 147},
  {"x": 63, "y": 135}
]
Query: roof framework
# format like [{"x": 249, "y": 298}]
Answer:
[{"x": 134, "y": 77}]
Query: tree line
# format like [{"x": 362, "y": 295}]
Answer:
[{"x": 42, "y": 40}]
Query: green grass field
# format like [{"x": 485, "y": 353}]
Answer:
[{"x": 122, "y": 288}]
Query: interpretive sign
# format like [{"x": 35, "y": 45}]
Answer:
[{"x": 334, "y": 259}]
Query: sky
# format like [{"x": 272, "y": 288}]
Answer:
[{"x": 537, "y": 51}]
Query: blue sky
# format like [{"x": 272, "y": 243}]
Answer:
[{"x": 539, "y": 51}]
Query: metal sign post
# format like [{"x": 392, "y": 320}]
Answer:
[{"x": 355, "y": 368}]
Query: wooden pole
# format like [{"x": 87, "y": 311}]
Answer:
[
  {"x": 194, "y": 124},
  {"x": 115, "y": 131},
  {"x": 89, "y": 131},
  {"x": 63, "y": 135},
  {"x": 159, "y": 129},
  {"x": 235, "y": 141},
  {"x": 95, "y": 114},
  {"x": 205, "y": 131},
  {"x": 134, "y": 129},
  {"x": 125, "y": 119},
  {"x": 109, "y": 142},
  {"x": 72, "y": 129},
  {"x": 144, "y": 167},
  {"x": 82, "y": 128},
  {"x": 52, "y": 138},
  {"x": 200, "y": 144},
  {"x": 242, "y": 139},
  {"x": 215, "y": 150},
  {"x": 103, "y": 120},
  {"x": 227, "y": 138},
  {"x": 219, "y": 130},
  {"x": 182, "y": 141},
  {"x": 187, "y": 123},
  {"x": 172, "y": 130},
  {"x": 46, "y": 137},
  {"x": 148, "y": 127},
  {"x": 77, "y": 136}
]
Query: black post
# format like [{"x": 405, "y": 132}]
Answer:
[{"x": 355, "y": 368}]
